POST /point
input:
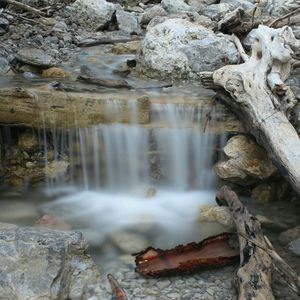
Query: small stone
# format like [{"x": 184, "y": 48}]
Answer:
[
  {"x": 175, "y": 296},
  {"x": 53, "y": 222},
  {"x": 220, "y": 214},
  {"x": 55, "y": 72},
  {"x": 163, "y": 284},
  {"x": 126, "y": 48}
]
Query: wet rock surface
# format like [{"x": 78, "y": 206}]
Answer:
[{"x": 46, "y": 264}]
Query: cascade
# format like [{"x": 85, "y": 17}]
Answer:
[{"x": 126, "y": 175}]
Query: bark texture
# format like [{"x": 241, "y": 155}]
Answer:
[{"x": 254, "y": 274}]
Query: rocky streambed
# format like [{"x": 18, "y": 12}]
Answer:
[{"x": 53, "y": 124}]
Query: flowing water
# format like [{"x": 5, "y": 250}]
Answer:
[{"x": 123, "y": 176}]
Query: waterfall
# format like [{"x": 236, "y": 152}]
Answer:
[
  {"x": 176, "y": 152},
  {"x": 125, "y": 176}
]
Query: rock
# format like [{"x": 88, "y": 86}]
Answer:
[
  {"x": 92, "y": 14},
  {"x": 263, "y": 193},
  {"x": 34, "y": 57},
  {"x": 245, "y": 162},
  {"x": 52, "y": 222},
  {"x": 129, "y": 242},
  {"x": 179, "y": 49},
  {"x": 175, "y": 5},
  {"x": 4, "y": 65},
  {"x": 28, "y": 141},
  {"x": 152, "y": 12},
  {"x": 215, "y": 11},
  {"x": 126, "y": 48},
  {"x": 55, "y": 168},
  {"x": 273, "y": 191},
  {"x": 4, "y": 25},
  {"x": 294, "y": 246},
  {"x": 60, "y": 26},
  {"x": 278, "y": 8},
  {"x": 289, "y": 235},
  {"x": 46, "y": 264},
  {"x": 17, "y": 212},
  {"x": 248, "y": 6},
  {"x": 55, "y": 73},
  {"x": 151, "y": 192},
  {"x": 220, "y": 214},
  {"x": 127, "y": 22}
]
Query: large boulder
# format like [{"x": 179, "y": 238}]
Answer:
[
  {"x": 152, "y": 12},
  {"x": 245, "y": 162},
  {"x": 93, "y": 14},
  {"x": 179, "y": 49},
  {"x": 45, "y": 264}
]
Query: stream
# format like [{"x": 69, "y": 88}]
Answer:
[{"x": 130, "y": 186}]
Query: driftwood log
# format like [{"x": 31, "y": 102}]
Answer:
[
  {"x": 256, "y": 92},
  {"x": 255, "y": 271},
  {"x": 257, "y": 254}
]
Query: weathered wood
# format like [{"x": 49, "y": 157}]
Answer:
[
  {"x": 109, "y": 83},
  {"x": 256, "y": 92},
  {"x": 255, "y": 272}
]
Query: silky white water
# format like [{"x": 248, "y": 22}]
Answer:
[{"x": 127, "y": 177}]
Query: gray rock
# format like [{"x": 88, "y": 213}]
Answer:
[
  {"x": 45, "y": 264},
  {"x": 92, "y": 14},
  {"x": 175, "y": 5},
  {"x": 4, "y": 65},
  {"x": 216, "y": 11},
  {"x": 278, "y": 8},
  {"x": 294, "y": 246},
  {"x": 152, "y": 12},
  {"x": 245, "y": 162},
  {"x": 34, "y": 57},
  {"x": 177, "y": 48},
  {"x": 60, "y": 26},
  {"x": 127, "y": 22}
]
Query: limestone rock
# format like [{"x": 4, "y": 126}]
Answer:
[
  {"x": 46, "y": 264},
  {"x": 179, "y": 49},
  {"x": 175, "y": 5},
  {"x": 53, "y": 222},
  {"x": 4, "y": 65},
  {"x": 245, "y": 162},
  {"x": 93, "y": 14},
  {"x": 34, "y": 57},
  {"x": 220, "y": 214},
  {"x": 289, "y": 235},
  {"x": 152, "y": 12},
  {"x": 128, "y": 22},
  {"x": 278, "y": 8}
]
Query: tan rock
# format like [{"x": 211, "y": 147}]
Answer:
[
  {"x": 55, "y": 72},
  {"x": 220, "y": 214},
  {"x": 126, "y": 48},
  {"x": 245, "y": 162}
]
